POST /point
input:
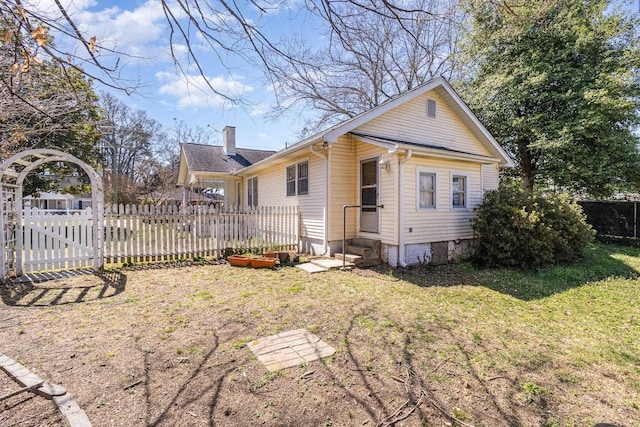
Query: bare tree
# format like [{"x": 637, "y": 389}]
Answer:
[
  {"x": 369, "y": 58},
  {"x": 130, "y": 141},
  {"x": 398, "y": 43}
]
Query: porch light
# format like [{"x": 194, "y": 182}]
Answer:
[{"x": 385, "y": 164}]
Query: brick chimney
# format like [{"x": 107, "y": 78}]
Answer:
[{"x": 229, "y": 140}]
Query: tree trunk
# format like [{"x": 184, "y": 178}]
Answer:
[{"x": 527, "y": 166}]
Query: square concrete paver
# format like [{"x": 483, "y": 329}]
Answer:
[{"x": 290, "y": 348}]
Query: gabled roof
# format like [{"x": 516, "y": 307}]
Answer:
[
  {"x": 442, "y": 86},
  {"x": 211, "y": 158}
]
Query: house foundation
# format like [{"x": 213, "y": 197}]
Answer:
[{"x": 435, "y": 253}]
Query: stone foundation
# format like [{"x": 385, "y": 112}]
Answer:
[{"x": 435, "y": 253}]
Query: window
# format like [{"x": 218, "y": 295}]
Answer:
[
  {"x": 431, "y": 108},
  {"x": 459, "y": 191},
  {"x": 252, "y": 191},
  {"x": 298, "y": 179},
  {"x": 291, "y": 180},
  {"x": 303, "y": 178},
  {"x": 426, "y": 189}
]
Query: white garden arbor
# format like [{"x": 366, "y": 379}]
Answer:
[{"x": 61, "y": 241}]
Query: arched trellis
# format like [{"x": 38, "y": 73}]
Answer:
[{"x": 13, "y": 172}]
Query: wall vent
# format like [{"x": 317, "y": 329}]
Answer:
[{"x": 431, "y": 108}]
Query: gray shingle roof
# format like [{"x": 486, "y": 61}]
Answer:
[{"x": 212, "y": 158}]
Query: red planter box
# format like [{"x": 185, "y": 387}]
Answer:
[
  {"x": 239, "y": 260},
  {"x": 263, "y": 262}
]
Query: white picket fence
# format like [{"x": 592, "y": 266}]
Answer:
[
  {"x": 148, "y": 233},
  {"x": 131, "y": 233}
]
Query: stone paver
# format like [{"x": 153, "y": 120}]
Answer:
[
  {"x": 311, "y": 268},
  {"x": 319, "y": 265},
  {"x": 288, "y": 349},
  {"x": 69, "y": 408},
  {"x": 65, "y": 402}
]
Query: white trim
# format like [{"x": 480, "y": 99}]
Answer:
[
  {"x": 465, "y": 175},
  {"x": 375, "y": 159},
  {"x": 253, "y": 202},
  {"x": 507, "y": 158},
  {"x": 296, "y": 180},
  {"x": 434, "y": 172},
  {"x": 331, "y": 135},
  {"x": 390, "y": 146}
]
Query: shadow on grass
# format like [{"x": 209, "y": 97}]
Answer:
[
  {"x": 418, "y": 389},
  {"x": 602, "y": 262},
  {"x": 200, "y": 384},
  {"x": 60, "y": 288}
]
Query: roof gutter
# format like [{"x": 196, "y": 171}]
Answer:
[
  {"x": 401, "y": 250},
  {"x": 325, "y": 157}
]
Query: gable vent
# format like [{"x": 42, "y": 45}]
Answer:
[{"x": 431, "y": 108}]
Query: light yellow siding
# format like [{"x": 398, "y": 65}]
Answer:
[
  {"x": 490, "y": 177},
  {"x": 444, "y": 223},
  {"x": 409, "y": 122},
  {"x": 272, "y": 192},
  {"x": 345, "y": 189}
]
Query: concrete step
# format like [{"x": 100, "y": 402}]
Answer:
[
  {"x": 367, "y": 243},
  {"x": 330, "y": 263},
  {"x": 350, "y": 258},
  {"x": 363, "y": 251},
  {"x": 311, "y": 268}
]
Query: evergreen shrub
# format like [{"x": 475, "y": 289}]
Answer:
[{"x": 516, "y": 228}]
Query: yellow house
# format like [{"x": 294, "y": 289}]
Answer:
[{"x": 405, "y": 175}]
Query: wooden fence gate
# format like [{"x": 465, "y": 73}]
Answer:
[
  {"x": 57, "y": 241},
  {"x": 64, "y": 241}
]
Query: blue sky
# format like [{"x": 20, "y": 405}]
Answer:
[{"x": 139, "y": 29}]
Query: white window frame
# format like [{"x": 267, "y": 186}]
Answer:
[
  {"x": 296, "y": 179},
  {"x": 292, "y": 181},
  {"x": 250, "y": 187},
  {"x": 434, "y": 173},
  {"x": 456, "y": 174}
]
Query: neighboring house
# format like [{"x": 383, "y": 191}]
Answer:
[
  {"x": 423, "y": 157},
  {"x": 58, "y": 202},
  {"x": 183, "y": 197}
]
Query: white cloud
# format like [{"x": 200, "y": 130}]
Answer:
[
  {"x": 193, "y": 91},
  {"x": 129, "y": 31},
  {"x": 259, "y": 109}
]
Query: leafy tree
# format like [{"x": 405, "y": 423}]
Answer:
[
  {"x": 43, "y": 105},
  {"x": 558, "y": 84}
]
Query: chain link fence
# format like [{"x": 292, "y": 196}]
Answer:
[{"x": 613, "y": 218}]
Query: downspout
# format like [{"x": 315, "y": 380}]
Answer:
[
  {"x": 401, "y": 251},
  {"x": 325, "y": 157}
]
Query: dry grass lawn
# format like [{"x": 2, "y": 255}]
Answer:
[{"x": 426, "y": 346}]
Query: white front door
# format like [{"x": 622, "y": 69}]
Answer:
[{"x": 369, "y": 220}]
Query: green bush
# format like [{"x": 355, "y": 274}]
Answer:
[{"x": 515, "y": 228}]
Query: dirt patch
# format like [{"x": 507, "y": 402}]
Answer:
[{"x": 168, "y": 347}]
